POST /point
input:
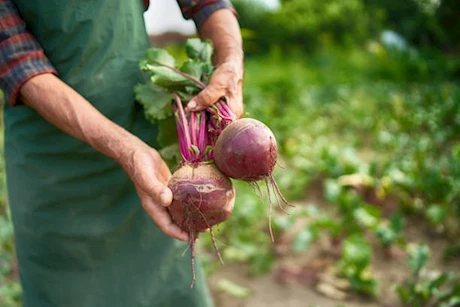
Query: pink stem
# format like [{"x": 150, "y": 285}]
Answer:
[
  {"x": 203, "y": 134},
  {"x": 201, "y": 140},
  {"x": 222, "y": 105},
  {"x": 184, "y": 125},
  {"x": 193, "y": 128},
  {"x": 180, "y": 134}
]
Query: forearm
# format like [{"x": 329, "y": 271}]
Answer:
[
  {"x": 69, "y": 111},
  {"x": 223, "y": 30},
  {"x": 65, "y": 108}
]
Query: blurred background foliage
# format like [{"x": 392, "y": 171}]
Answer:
[
  {"x": 309, "y": 24},
  {"x": 363, "y": 98}
]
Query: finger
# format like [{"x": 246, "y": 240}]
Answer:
[
  {"x": 234, "y": 96},
  {"x": 164, "y": 174},
  {"x": 206, "y": 98},
  {"x": 162, "y": 219},
  {"x": 235, "y": 103},
  {"x": 167, "y": 226},
  {"x": 160, "y": 193}
]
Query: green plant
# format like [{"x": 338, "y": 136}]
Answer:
[
  {"x": 354, "y": 264},
  {"x": 425, "y": 287}
]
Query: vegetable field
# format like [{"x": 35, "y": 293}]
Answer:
[
  {"x": 371, "y": 157},
  {"x": 369, "y": 153}
]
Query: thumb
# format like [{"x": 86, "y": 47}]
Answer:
[
  {"x": 160, "y": 194},
  {"x": 207, "y": 97}
]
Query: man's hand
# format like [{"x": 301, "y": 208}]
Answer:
[
  {"x": 227, "y": 80},
  {"x": 151, "y": 175},
  {"x": 69, "y": 111}
]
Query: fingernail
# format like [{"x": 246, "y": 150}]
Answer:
[{"x": 191, "y": 104}]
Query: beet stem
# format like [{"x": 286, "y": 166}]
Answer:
[
  {"x": 184, "y": 125},
  {"x": 183, "y": 74},
  {"x": 226, "y": 109},
  {"x": 180, "y": 134},
  {"x": 202, "y": 137},
  {"x": 193, "y": 129}
]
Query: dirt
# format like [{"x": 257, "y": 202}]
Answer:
[
  {"x": 267, "y": 291},
  {"x": 287, "y": 289},
  {"x": 308, "y": 279}
]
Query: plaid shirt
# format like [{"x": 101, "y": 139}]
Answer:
[{"x": 22, "y": 57}]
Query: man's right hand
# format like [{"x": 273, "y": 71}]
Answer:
[
  {"x": 151, "y": 175},
  {"x": 69, "y": 111}
]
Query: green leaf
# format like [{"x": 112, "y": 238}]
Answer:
[
  {"x": 171, "y": 154},
  {"x": 158, "y": 56},
  {"x": 189, "y": 90},
  {"x": 397, "y": 222},
  {"x": 302, "y": 240},
  {"x": 194, "y": 149},
  {"x": 438, "y": 282},
  {"x": 208, "y": 69},
  {"x": 168, "y": 79},
  {"x": 364, "y": 285},
  {"x": 209, "y": 148},
  {"x": 386, "y": 234},
  {"x": 327, "y": 223},
  {"x": 366, "y": 216},
  {"x": 436, "y": 214},
  {"x": 356, "y": 252},
  {"x": 193, "y": 68},
  {"x": 418, "y": 257},
  {"x": 199, "y": 50},
  {"x": 169, "y": 142},
  {"x": 452, "y": 251},
  {"x": 161, "y": 67},
  {"x": 403, "y": 293},
  {"x": 229, "y": 287},
  {"x": 168, "y": 132},
  {"x": 453, "y": 301},
  {"x": 333, "y": 190},
  {"x": 156, "y": 102}
]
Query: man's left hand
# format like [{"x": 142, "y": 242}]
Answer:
[{"x": 226, "y": 81}]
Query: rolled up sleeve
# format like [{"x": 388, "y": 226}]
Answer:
[
  {"x": 200, "y": 10},
  {"x": 21, "y": 56}
]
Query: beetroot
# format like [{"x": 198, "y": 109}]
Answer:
[
  {"x": 203, "y": 197},
  {"x": 246, "y": 150}
]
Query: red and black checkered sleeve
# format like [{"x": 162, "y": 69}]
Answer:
[
  {"x": 21, "y": 56},
  {"x": 200, "y": 10}
]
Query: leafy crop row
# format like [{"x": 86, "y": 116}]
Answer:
[{"x": 378, "y": 154}]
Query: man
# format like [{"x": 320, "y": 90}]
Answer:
[{"x": 81, "y": 158}]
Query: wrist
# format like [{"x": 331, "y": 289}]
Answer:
[
  {"x": 233, "y": 66},
  {"x": 125, "y": 149}
]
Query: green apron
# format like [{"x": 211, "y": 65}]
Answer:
[{"x": 82, "y": 236}]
